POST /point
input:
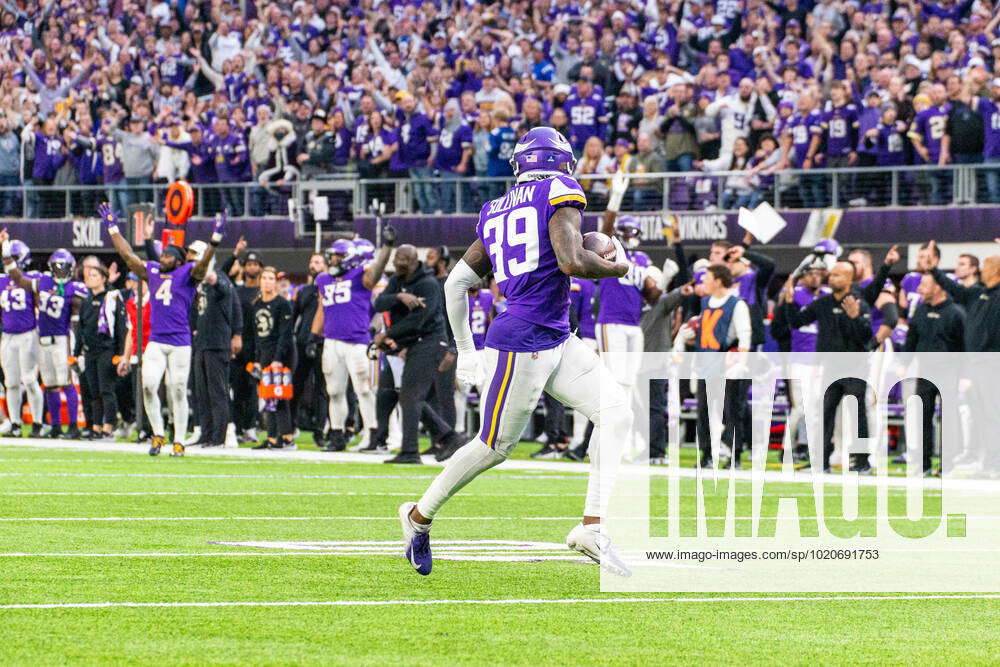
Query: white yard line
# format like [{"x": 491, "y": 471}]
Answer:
[
  {"x": 274, "y": 518},
  {"x": 528, "y": 601},
  {"x": 567, "y": 468}
]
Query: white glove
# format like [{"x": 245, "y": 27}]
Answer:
[
  {"x": 619, "y": 184},
  {"x": 5, "y": 249},
  {"x": 469, "y": 369},
  {"x": 686, "y": 332}
]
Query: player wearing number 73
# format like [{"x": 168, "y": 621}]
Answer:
[
  {"x": 530, "y": 239},
  {"x": 172, "y": 282}
]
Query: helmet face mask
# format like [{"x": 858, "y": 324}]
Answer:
[
  {"x": 542, "y": 152},
  {"x": 338, "y": 256},
  {"x": 61, "y": 264},
  {"x": 627, "y": 229}
]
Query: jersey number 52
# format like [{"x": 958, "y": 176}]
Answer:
[{"x": 511, "y": 240}]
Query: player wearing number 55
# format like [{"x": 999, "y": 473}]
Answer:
[{"x": 172, "y": 282}]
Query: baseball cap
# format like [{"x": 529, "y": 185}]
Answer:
[
  {"x": 174, "y": 251},
  {"x": 198, "y": 248},
  {"x": 995, "y": 42},
  {"x": 252, "y": 256},
  {"x": 560, "y": 88},
  {"x": 900, "y": 14},
  {"x": 622, "y": 142},
  {"x": 620, "y": 15},
  {"x": 719, "y": 20},
  {"x": 403, "y": 94},
  {"x": 996, "y": 82},
  {"x": 136, "y": 79},
  {"x": 793, "y": 23},
  {"x": 319, "y": 114}
]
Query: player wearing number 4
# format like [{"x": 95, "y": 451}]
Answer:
[
  {"x": 172, "y": 282},
  {"x": 19, "y": 345},
  {"x": 58, "y": 300},
  {"x": 343, "y": 320},
  {"x": 530, "y": 239}
]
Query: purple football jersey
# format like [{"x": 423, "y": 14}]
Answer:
[
  {"x": 745, "y": 286},
  {"x": 581, "y": 294},
  {"x": 841, "y": 125},
  {"x": 908, "y": 285},
  {"x": 18, "y": 305},
  {"x": 930, "y": 126},
  {"x": 804, "y": 338},
  {"x": 621, "y": 298},
  {"x": 990, "y": 112},
  {"x": 55, "y": 304},
  {"x": 514, "y": 229},
  {"x": 346, "y": 306},
  {"x": 173, "y": 293},
  {"x": 480, "y": 307}
]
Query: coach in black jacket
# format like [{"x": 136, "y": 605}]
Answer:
[
  {"x": 845, "y": 325},
  {"x": 309, "y": 403},
  {"x": 415, "y": 302},
  {"x": 938, "y": 325},
  {"x": 217, "y": 336}
]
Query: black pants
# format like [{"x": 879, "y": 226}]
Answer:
[
  {"x": 309, "y": 403},
  {"x": 834, "y": 395},
  {"x": 211, "y": 392},
  {"x": 422, "y": 360},
  {"x": 100, "y": 378},
  {"x": 928, "y": 394},
  {"x": 244, "y": 394},
  {"x": 555, "y": 420},
  {"x": 732, "y": 420},
  {"x": 444, "y": 392},
  {"x": 657, "y": 419}
]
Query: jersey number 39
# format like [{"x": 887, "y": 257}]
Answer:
[{"x": 511, "y": 240}]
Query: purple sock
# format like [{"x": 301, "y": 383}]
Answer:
[
  {"x": 53, "y": 403},
  {"x": 71, "y": 403}
]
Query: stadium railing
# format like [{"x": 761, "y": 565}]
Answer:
[{"x": 348, "y": 196}]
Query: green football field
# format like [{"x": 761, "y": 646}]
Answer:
[{"x": 117, "y": 557}]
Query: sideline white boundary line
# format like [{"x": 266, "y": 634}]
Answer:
[{"x": 526, "y": 601}]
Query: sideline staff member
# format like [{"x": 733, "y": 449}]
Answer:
[{"x": 414, "y": 300}]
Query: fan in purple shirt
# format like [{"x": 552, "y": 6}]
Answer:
[
  {"x": 587, "y": 115},
  {"x": 480, "y": 315}
]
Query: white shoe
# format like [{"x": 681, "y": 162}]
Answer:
[
  {"x": 251, "y": 435},
  {"x": 123, "y": 431},
  {"x": 45, "y": 431},
  {"x": 6, "y": 427},
  {"x": 231, "y": 441},
  {"x": 194, "y": 437},
  {"x": 659, "y": 461},
  {"x": 591, "y": 541}
]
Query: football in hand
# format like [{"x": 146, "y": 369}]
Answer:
[{"x": 601, "y": 244}]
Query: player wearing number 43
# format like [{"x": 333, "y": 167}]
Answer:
[
  {"x": 341, "y": 326},
  {"x": 530, "y": 239},
  {"x": 19, "y": 346},
  {"x": 172, "y": 282}
]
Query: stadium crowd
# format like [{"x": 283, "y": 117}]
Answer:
[{"x": 126, "y": 93}]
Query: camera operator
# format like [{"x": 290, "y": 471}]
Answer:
[{"x": 414, "y": 300}]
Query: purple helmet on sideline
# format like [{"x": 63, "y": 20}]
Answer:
[
  {"x": 364, "y": 251},
  {"x": 542, "y": 152},
  {"x": 343, "y": 249},
  {"x": 827, "y": 247},
  {"x": 21, "y": 253},
  {"x": 627, "y": 228},
  {"x": 61, "y": 264},
  {"x": 641, "y": 259}
]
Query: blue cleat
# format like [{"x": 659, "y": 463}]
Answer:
[{"x": 417, "y": 544}]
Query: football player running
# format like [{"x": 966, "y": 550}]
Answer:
[
  {"x": 172, "y": 284},
  {"x": 530, "y": 239},
  {"x": 19, "y": 345}
]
